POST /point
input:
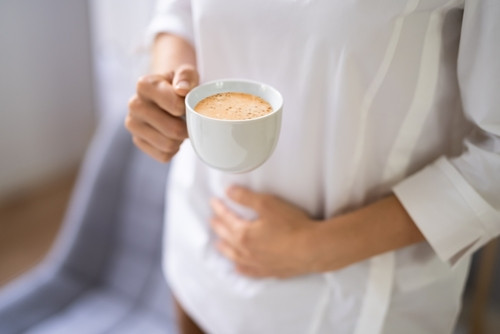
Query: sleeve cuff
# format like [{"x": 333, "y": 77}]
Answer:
[
  {"x": 451, "y": 215},
  {"x": 169, "y": 23}
]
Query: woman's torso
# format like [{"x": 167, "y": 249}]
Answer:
[{"x": 370, "y": 95}]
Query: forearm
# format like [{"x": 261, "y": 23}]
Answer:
[
  {"x": 375, "y": 229},
  {"x": 169, "y": 52}
]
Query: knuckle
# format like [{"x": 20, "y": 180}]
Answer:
[
  {"x": 190, "y": 73},
  {"x": 266, "y": 201},
  {"x": 167, "y": 156},
  {"x": 174, "y": 152},
  {"x": 133, "y": 126},
  {"x": 178, "y": 132},
  {"x": 169, "y": 145},
  {"x": 142, "y": 83},
  {"x": 134, "y": 103},
  {"x": 136, "y": 141},
  {"x": 243, "y": 238},
  {"x": 261, "y": 203},
  {"x": 196, "y": 77},
  {"x": 181, "y": 105},
  {"x": 242, "y": 270},
  {"x": 178, "y": 108},
  {"x": 128, "y": 122},
  {"x": 186, "y": 67},
  {"x": 186, "y": 71},
  {"x": 269, "y": 197},
  {"x": 163, "y": 157}
]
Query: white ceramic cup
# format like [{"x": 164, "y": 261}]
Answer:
[{"x": 235, "y": 146}]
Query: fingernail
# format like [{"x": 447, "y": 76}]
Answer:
[{"x": 183, "y": 85}]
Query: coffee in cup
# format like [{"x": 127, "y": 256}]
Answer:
[
  {"x": 229, "y": 141},
  {"x": 233, "y": 106}
]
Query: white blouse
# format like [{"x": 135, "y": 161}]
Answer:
[{"x": 380, "y": 96}]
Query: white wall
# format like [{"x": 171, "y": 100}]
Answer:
[{"x": 46, "y": 100}]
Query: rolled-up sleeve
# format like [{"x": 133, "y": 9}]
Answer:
[
  {"x": 171, "y": 16},
  {"x": 455, "y": 202}
]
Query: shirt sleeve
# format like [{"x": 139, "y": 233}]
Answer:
[
  {"x": 455, "y": 202},
  {"x": 171, "y": 16}
]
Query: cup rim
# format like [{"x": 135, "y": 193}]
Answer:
[{"x": 191, "y": 109}]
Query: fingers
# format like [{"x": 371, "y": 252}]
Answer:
[
  {"x": 242, "y": 265},
  {"x": 154, "y": 112},
  {"x": 233, "y": 240},
  {"x": 232, "y": 222},
  {"x": 156, "y": 89},
  {"x": 231, "y": 229},
  {"x": 231, "y": 252},
  {"x": 152, "y": 151},
  {"x": 153, "y": 137},
  {"x": 222, "y": 230},
  {"x": 168, "y": 91},
  {"x": 251, "y": 271},
  {"x": 248, "y": 198},
  {"x": 228, "y": 227},
  {"x": 168, "y": 125},
  {"x": 154, "y": 131},
  {"x": 185, "y": 78}
]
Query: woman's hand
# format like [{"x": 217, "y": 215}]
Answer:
[
  {"x": 284, "y": 242},
  {"x": 277, "y": 244},
  {"x": 154, "y": 112}
]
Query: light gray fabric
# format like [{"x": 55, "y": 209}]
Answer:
[{"x": 104, "y": 273}]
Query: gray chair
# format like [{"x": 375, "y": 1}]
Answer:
[{"x": 104, "y": 273}]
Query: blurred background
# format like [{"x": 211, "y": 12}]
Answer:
[{"x": 64, "y": 66}]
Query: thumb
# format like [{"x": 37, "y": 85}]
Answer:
[{"x": 185, "y": 78}]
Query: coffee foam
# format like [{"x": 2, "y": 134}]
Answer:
[{"x": 233, "y": 106}]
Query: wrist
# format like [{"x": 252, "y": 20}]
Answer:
[
  {"x": 356, "y": 236},
  {"x": 318, "y": 244},
  {"x": 336, "y": 243},
  {"x": 169, "y": 52}
]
